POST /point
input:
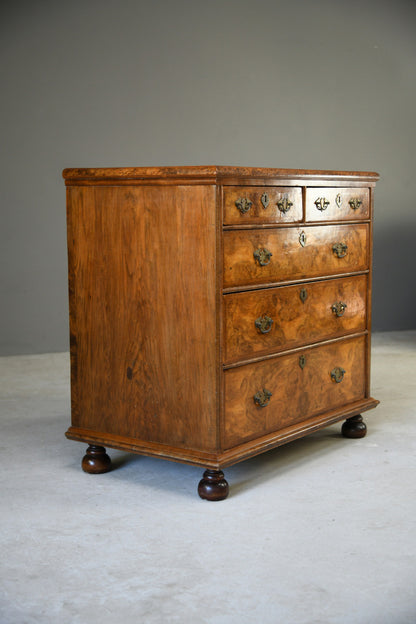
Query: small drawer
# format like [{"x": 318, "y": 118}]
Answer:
[
  {"x": 277, "y": 393},
  {"x": 255, "y": 204},
  {"x": 281, "y": 254},
  {"x": 337, "y": 204},
  {"x": 266, "y": 321}
]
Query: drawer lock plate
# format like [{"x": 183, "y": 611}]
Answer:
[
  {"x": 265, "y": 200},
  {"x": 302, "y": 239}
]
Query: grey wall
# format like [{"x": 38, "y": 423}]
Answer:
[{"x": 315, "y": 84}]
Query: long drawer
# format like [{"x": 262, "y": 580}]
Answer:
[
  {"x": 292, "y": 253},
  {"x": 268, "y": 320},
  {"x": 273, "y": 394}
]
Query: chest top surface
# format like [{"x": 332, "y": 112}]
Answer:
[{"x": 211, "y": 174}]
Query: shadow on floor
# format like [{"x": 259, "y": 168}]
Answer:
[{"x": 182, "y": 479}]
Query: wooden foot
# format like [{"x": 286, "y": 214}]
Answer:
[
  {"x": 354, "y": 427},
  {"x": 213, "y": 486},
  {"x": 96, "y": 460}
]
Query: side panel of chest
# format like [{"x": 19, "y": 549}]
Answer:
[{"x": 142, "y": 273}]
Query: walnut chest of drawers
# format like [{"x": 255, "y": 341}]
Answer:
[{"x": 216, "y": 312}]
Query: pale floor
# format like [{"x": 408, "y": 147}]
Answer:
[{"x": 320, "y": 531}]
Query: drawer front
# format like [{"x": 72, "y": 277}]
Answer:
[
  {"x": 256, "y": 204},
  {"x": 274, "y": 394},
  {"x": 277, "y": 255},
  {"x": 264, "y": 321},
  {"x": 337, "y": 204}
]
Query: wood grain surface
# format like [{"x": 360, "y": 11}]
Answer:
[
  {"x": 291, "y": 260},
  {"x": 258, "y": 213},
  {"x": 142, "y": 277},
  {"x": 295, "y": 322},
  {"x": 338, "y": 208},
  {"x": 213, "y": 172},
  {"x": 297, "y": 394}
]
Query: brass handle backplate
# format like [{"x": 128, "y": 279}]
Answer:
[
  {"x": 340, "y": 249},
  {"x": 321, "y": 203},
  {"x": 337, "y": 374},
  {"x": 264, "y": 324},
  {"x": 355, "y": 202},
  {"x": 243, "y": 204},
  {"x": 262, "y": 398},
  {"x": 262, "y": 255},
  {"x": 338, "y": 308},
  {"x": 284, "y": 204}
]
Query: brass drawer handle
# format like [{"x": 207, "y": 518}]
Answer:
[
  {"x": 243, "y": 204},
  {"x": 338, "y": 308},
  {"x": 340, "y": 249},
  {"x": 262, "y": 255},
  {"x": 262, "y": 398},
  {"x": 284, "y": 205},
  {"x": 355, "y": 202},
  {"x": 264, "y": 324},
  {"x": 321, "y": 203},
  {"x": 337, "y": 374}
]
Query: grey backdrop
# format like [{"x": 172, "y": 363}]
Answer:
[{"x": 322, "y": 84}]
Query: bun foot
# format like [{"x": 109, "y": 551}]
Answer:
[
  {"x": 213, "y": 486},
  {"x": 354, "y": 427},
  {"x": 96, "y": 460}
]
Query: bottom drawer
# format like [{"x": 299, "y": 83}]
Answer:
[{"x": 273, "y": 394}]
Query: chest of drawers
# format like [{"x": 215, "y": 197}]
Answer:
[{"x": 216, "y": 312}]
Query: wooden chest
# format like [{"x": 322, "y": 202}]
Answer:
[{"x": 216, "y": 312}]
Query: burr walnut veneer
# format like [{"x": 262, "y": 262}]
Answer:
[{"x": 216, "y": 312}]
